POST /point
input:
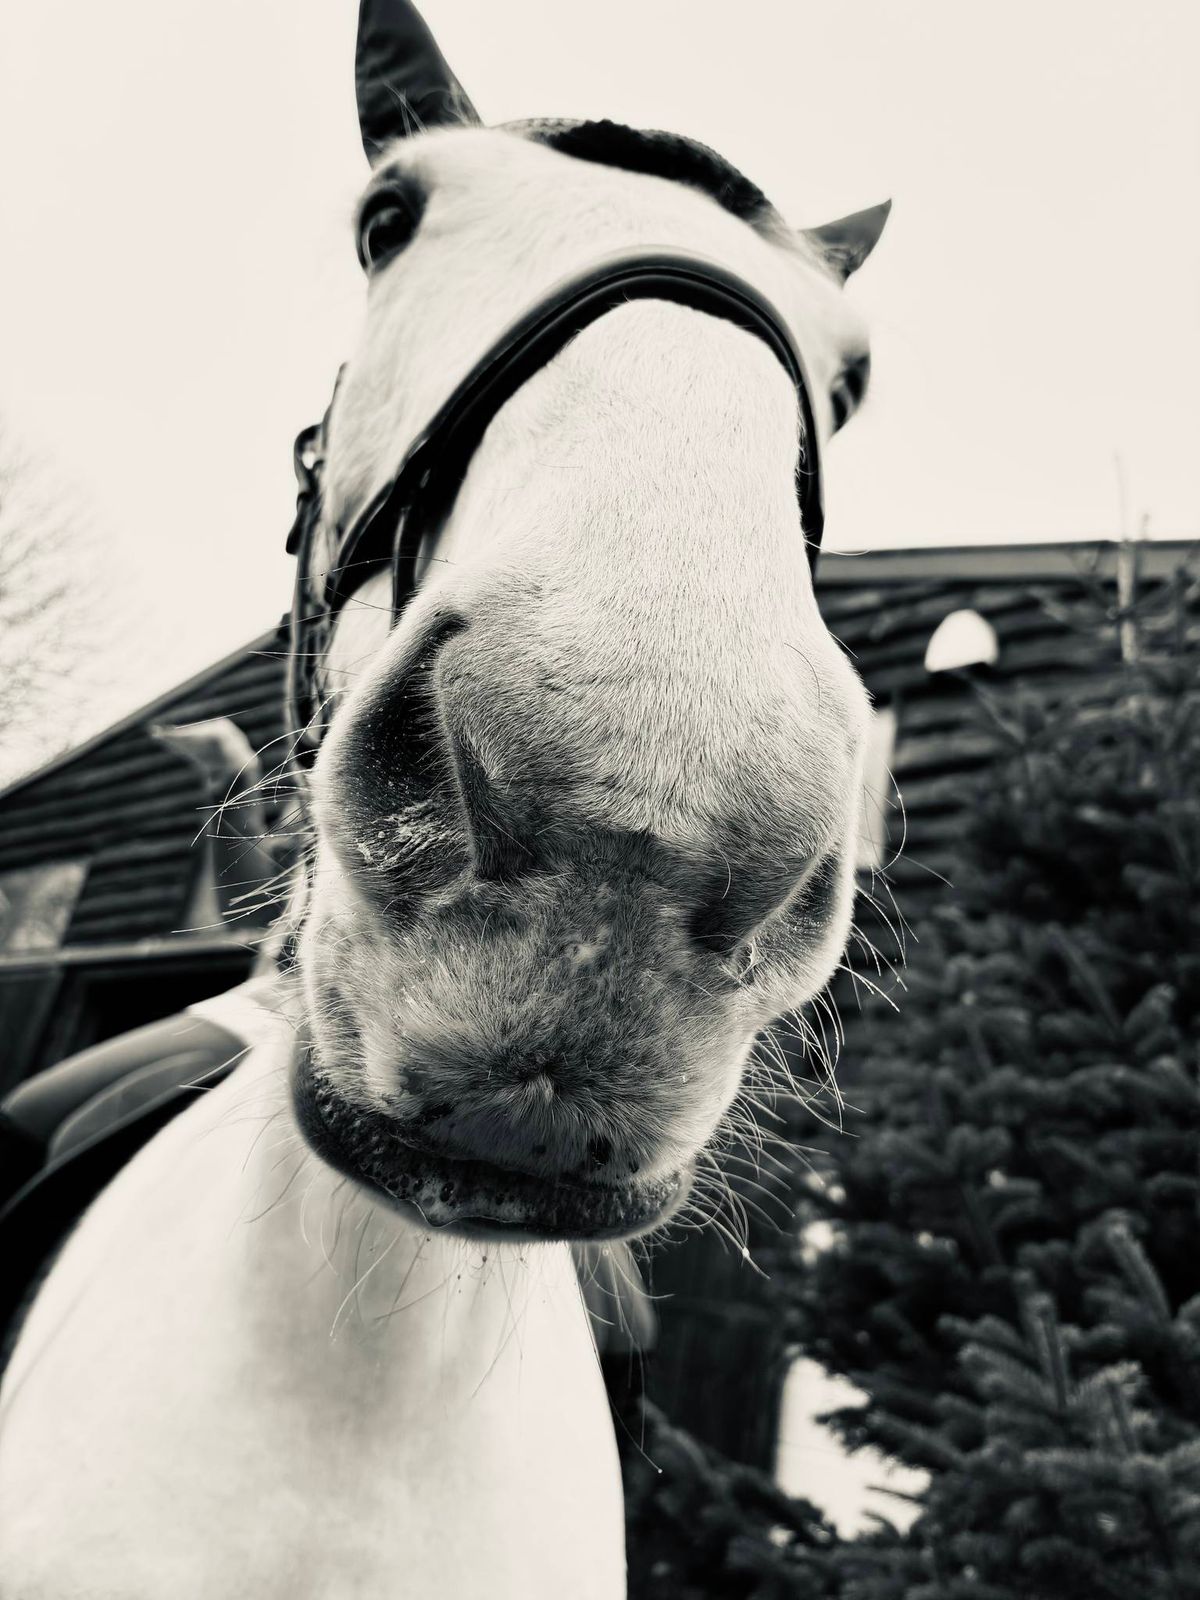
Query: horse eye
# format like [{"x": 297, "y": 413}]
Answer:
[
  {"x": 849, "y": 387},
  {"x": 386, "y": 226}
]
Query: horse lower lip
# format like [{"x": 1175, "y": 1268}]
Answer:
[
  {"x": 478, "y": 1197},
  {"x": 471, "y": 1196}
]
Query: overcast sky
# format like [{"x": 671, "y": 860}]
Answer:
[{"x": 179, "y": 282}]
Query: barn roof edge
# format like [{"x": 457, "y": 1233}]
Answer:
[{"x": 139, "y": 714}]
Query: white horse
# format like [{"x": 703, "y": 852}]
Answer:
[{"x": 322, "y": 1337}]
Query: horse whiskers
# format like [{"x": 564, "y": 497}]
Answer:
[
  {"x": 508, "y": 1333},
  {"x": 352, "y": 1293},
  {"x": 296, "y": 1171},
  {"x": 275, "y": 1115},
  {"x": 396, "y": 1307},
  {"x": 248, "y": 792},
  {"x": 743, "y": 1182},
  {"x": 814, "y": 1043},
  {"x": 899, "y": 930},
  {"x": 717, "y": 1182},
  {"x": 716, "y": 1222},
  {"x": 712, "y": 1172},
  {"x": 859, "y": 977}
]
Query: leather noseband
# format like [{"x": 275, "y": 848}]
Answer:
[{"x": 413, "y": 505}]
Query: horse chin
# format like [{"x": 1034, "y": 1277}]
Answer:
[{"x": 470, "y": 1197}]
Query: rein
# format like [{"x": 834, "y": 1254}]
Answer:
[{"x": 415, "y": 502}]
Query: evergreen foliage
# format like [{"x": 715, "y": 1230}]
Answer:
[
  {"x": 700, "y": 1526},
  {"x": 1015, "y": 1275}
]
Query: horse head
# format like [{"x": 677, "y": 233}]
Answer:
[{"x": 586, "y": 811}]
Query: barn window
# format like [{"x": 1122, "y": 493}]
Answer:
[
  {"x": 36, "y": 904},
  {"x": 962, "y": 639},
  {"x": 878, "y": 791}
]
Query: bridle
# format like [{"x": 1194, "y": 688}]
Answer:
[{"x": 413, "y": 505}]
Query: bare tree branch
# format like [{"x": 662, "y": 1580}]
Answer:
[{"x": 52, "y": 614}]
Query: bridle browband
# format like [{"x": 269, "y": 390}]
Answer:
[{"x": 414, "y": 504}]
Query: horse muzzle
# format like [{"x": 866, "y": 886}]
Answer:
[{"x": 465, "y": 1192}]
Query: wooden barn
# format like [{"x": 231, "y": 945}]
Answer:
[{"x": 109, "y": 915}]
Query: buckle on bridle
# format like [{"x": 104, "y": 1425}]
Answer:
[{"x": 308, "y": 458}]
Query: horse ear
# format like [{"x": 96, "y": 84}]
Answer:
[
  {"x": 846, "y": 243},
  {"x": 401, "y": 78}
]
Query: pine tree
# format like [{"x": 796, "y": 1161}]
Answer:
[
  {"x": 701, "y": 1526},
  {"x": 1015, "y": 1275}
]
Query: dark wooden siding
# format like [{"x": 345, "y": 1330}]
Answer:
[
  {"x": 1055, "y": 617},
  {"x": 132, "y": 809}
]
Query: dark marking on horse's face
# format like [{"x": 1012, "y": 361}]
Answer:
[{"x": 657, "y": 155}]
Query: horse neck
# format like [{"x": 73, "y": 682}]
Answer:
[
  {"x": 351, "y": 1404},
  {"x": 309, "y": 1263}
]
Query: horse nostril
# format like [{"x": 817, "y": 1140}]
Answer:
[
  {"x": 748, "y": 896},
  {"x": 493, "y": 820},
  {"x": 385, "y": 783}
]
